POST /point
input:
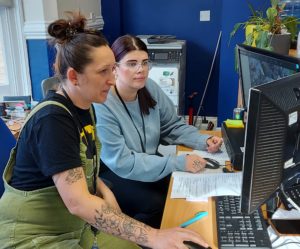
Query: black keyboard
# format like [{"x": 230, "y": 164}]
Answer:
[
  {"x": 236, "y": 230},
  {"x": 294, "y": 193}
]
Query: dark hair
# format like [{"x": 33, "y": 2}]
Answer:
[
  {"x": 73, "y": 43},
  {"x": 120, "y": 48}
]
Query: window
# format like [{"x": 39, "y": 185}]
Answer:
[
  {"x": 14, "y": 70},
  {"x": 3, "y": 70}
]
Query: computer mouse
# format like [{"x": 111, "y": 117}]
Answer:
[
  {"x": 211, "y": 163},
  {"x": 192, "y": 245}
]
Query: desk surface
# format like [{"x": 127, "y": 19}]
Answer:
[
  {"x": 179, "y": 210},
  {"x": 15, "y": 126},
  {"x": 293, "y": 52}
]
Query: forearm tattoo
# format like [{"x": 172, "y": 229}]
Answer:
[
  {"x": 112, "y": 221},
  {"x": 196, "y": 164},
  {"x": 74, "y": 175}
]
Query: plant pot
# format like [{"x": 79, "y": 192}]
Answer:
[{"x": 281, "y": 43}]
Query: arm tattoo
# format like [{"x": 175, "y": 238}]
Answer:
[
  {"x": 74, "y": 175},
  {"x": 116, "y": 223}
]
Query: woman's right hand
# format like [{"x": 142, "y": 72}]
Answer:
[
  {"x": 194, "y": 163},
  {"x": 173, "y": 238},
  {"x": 105, "y": 193}
]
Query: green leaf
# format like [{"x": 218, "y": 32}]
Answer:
[
  {"x": 262, "y": 40},
  {"x": 271, "y": 13},
  {"x": 274, "y": 3}
]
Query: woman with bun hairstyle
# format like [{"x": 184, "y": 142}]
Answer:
[{"x": 53, "y": 197}]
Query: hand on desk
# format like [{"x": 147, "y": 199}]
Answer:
[
  {"x": 175, "y": 237},
  {"x": 194, "y": 163},
  {"x": 213, "y": 144}
]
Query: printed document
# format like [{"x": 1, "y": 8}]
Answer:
[{"x": 190, "y": 185}]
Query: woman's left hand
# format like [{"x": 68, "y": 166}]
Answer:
[{"x": 213, "y": 144}]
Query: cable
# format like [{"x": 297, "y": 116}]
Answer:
[
  {"x": 208, "y": 79},
  {"x": 286, "y": 243}
]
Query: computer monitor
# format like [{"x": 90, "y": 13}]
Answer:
[
  {"x": 258, "y": 66},
  {"x": 271, "y": 152}
]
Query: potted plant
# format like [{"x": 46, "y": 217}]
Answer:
[{"x": 269, "y": 30}]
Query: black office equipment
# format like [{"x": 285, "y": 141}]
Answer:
[
  {"x": 236, "y": 230},
  {"x": 292, "y": 192},
  {"x": 159, "y": 39},
  {"x": 272, "y": 155},
  {"x": 234, "y": 142},
  {"x": 256, "y": 66},
  {"x": 211, "y": 163},
  {"x": 192, "y": 245},
  {"x": 288, "y": 227},
  {"x": 259, "y": 66}
]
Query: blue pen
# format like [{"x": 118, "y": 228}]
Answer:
[{"x": 197, "y": 216}]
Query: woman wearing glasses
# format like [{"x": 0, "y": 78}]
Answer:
[
  {"x": 134, "y": 120},
  {"x": 53, "y": 197}
]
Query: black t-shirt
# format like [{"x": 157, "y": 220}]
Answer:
[{"x": 50, "y": 144}]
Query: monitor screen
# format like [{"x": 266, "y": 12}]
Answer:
[
  {"x": 272, "y": 135},
  {"x": 258, "y": 66}
]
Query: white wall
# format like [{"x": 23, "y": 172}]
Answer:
[
  {"x": 39, "y": 13},
  {"x": 87, "y": 8}
]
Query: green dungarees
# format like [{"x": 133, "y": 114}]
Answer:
[{"x": 39, "y": 218}]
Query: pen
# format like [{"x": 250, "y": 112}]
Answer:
[{"x": 196, "y": 217}]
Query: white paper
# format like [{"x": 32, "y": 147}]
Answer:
[
  {"x": 292, "y": 214},
  {"x": 189, "y": 185},
  {"x": 199, "y": 199}
]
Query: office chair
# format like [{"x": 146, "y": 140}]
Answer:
[
  {"x": 49, "y": 84},
  {"x": 7, "y": 142}
]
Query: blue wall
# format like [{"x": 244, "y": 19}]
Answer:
[
  {"x": 233, "y": 11},
  {"x": 41, "y": 58},
  {"x": 161, "y": 17},
  {"x": 181, "y": 18},
  {"x": 111, "y": 13}
]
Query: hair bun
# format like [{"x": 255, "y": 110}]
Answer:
[{"x": 65, "y": 29}]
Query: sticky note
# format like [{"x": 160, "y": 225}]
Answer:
[{"x": 234, "y": 123}]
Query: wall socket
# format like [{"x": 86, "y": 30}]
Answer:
[{"x": 204, "y": 15}]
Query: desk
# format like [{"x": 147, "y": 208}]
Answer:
[
  {"x": 293, "y": 52},
  {"x": 15, "y": 126},
  {"x": 179, "y": 210}
]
